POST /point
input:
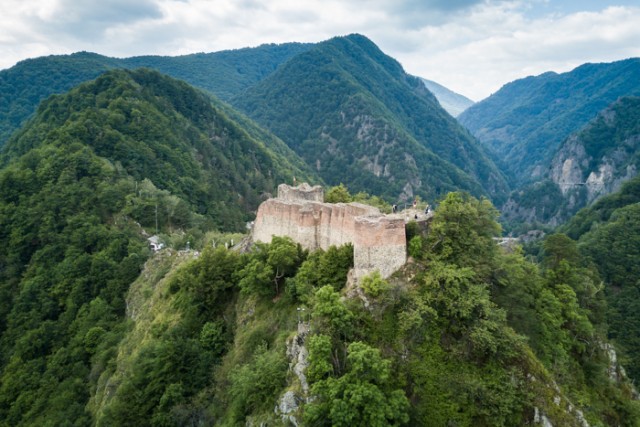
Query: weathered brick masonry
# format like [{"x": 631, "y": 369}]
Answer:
[{"x": 379, "y": 241}]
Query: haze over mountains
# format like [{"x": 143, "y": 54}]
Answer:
[
  {"x": 95, "y": 329},
  {"x": 451, "y": 101}
]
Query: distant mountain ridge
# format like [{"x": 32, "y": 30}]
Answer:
[
  {"x": 451, "y": 101},
  {"x": 523, "y": 124},
  {"x": 353, "y": 113},
  {"x": 589, "y": 164},
  {"x": 223, "y": 73}
]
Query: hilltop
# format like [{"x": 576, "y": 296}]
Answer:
[
  {"x": 224, "y": 73},
  {"x": 355, "y": 116}
]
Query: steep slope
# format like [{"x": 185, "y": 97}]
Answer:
[
  {"x": 600, "y": 212},
  {"x": 589, "y": 164},
  {"x": 353, "y": 113},
  {"x": 25, "y": 85},
  {"x": 524, "y": 123},
  {"x": 224, "y": 74},
  {"x": 130, "y": 151},
  {"x": 166, "y": 131},
  {"x": 608, "y": 233},
  {"x": 451, "y": 101},
  {"x": 444, "y": 342}
]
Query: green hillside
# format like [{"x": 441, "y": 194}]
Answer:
[
  {"x": 466, "y": 335},
  {"x": 524, "y": 122},
  {"x": 130, "y": 152},
  {"x": 226, "y": 73},
  {"x": 589, "y": 164},
  {"x": 25, "y": 85},
  {"x": 352, "y": 112},
  {"x": 223, "y": 74},
  {"x": 96, "y": 330},
  {"x": 608, "y": 233}
]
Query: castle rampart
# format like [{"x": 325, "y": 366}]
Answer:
[{"x": 379, "y": 241}]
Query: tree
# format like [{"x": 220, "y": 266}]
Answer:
[
  {"x": 363, "y": 396},
  {"x": 558, "y": 247},
  {"x": 462, "y": 233},
  {"x": 269, "y": 265},
  {"x": 328, "y": 308},
  {"x": 338, "y": 194}
]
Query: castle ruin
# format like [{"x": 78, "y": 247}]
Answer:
[{"x": 379, "y": 241}]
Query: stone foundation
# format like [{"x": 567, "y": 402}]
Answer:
[{"x": 379, "y": 241}]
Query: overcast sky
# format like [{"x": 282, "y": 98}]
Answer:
[{"x": 471, "y": 46}]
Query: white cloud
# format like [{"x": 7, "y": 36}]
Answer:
[
  {"x": 493, "y": 45},
  {"x": 471, "y": 46}
]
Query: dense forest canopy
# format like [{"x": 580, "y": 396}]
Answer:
[{"x": 96, "y": 328}]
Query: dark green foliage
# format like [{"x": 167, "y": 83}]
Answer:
[
  {"x": 254, "y": 385},
  {"x": 23, "y": 86},
  {"x": 352, "y": 112},
  {"x": 472, "y": 292},
  {"x": 462, "y": 232},
  {"x": 162, "y": 130},
  {"x": 320, "y": 269},
  {"x": 601, "y": 211},
  {"x": 525, "y": 121},
  {"x": 269, "y": 266},
  {"x": 360, "y": 397},
  {"x": 224, "y": 74},
  {"x": 609, "y": 235},
  {"x": 614, "y": 247},
  {"x": 340, "y": 194},
  {"x": 66, "y": 265},
  {"x": 79, "y": 184}
]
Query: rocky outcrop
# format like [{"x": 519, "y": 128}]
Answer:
[
  {"x": 588, "y": 165},
  {"x": 572, "y": 168},
  {"x": 379, "y": 241}
]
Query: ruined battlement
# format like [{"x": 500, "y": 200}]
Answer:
[
  {"x": 379, "y": 241},
  {"x": 302, "y": 192}
]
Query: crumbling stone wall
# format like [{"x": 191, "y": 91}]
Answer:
[
  {"x": 379, "y": 241},
  {"x": 302, "y": 192}
]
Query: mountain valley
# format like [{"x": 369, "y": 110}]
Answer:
[{"x": 132, "y": 291}]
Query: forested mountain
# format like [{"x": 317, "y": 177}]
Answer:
[
  {"x": 589, "y": 164},
  {"x": 465, "y": 335},
  {"x": 451, "y": 101},
  {"x": 406, "y": 144},
  {"x": 98, "y": 330},
  {"x": 524, "y": 122},
  {"x": 224, "y": 74},
  {"x": 130, "y": 151},
  {"x": 353, "y": 113},
  {"x": 608, "y": 233},
  {"x": 25, "y": 85}
]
